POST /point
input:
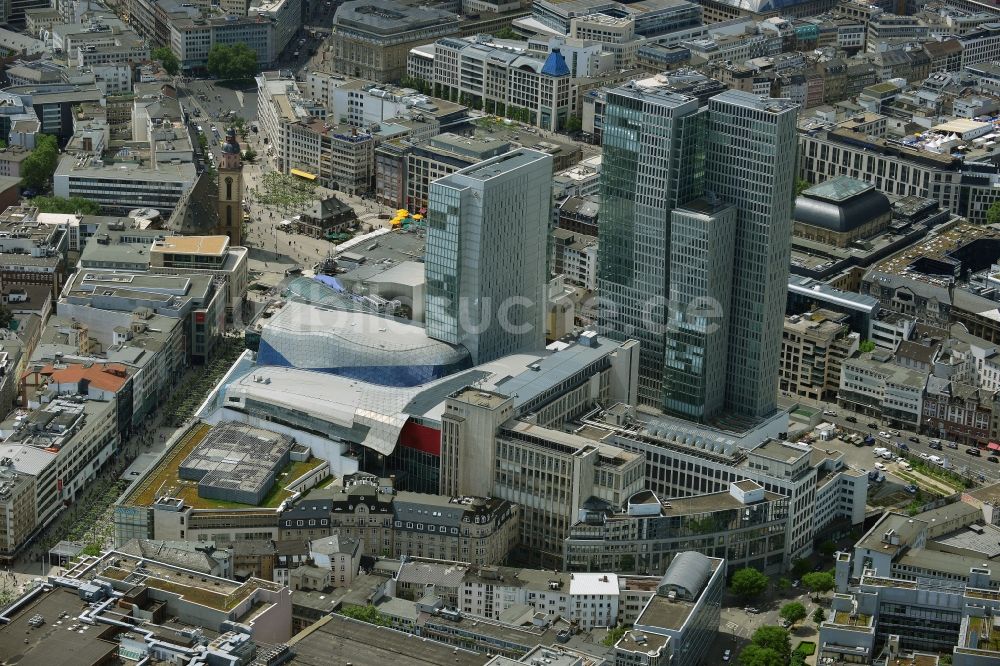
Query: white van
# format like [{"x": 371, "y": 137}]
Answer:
[
  {"x": 905, "y": 465},
  {"x": 879, "y": 450}
]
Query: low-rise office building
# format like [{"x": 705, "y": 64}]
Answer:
[
  {"x": 873, "y": 385},
  {"x": 63, "y": 445},
  {"x": 18, "y": 509},
  {"x": 504, "y": 81},
  {"x": 191, "y": 39},
  {"x": 680, "y": 623},
  {"x": 684, "y": 459},
  {"x": 882, "y": 615},
  {"x": 121, "y": 187},
  {"x": 204, "y": 255},
  {"x": 372, "y": 38},
  {"x": 167, "y": 502},
  {"x": 474, "y": 428},
  {"x": 745, "y": 526}
]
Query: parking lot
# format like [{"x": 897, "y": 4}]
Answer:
[{"x": 980, "y": 468}]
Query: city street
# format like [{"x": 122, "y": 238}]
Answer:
[{"x": 957, "y": 459}]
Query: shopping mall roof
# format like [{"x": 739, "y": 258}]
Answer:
[{"x": 373, "y": 415}]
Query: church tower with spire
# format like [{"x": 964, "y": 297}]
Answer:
[{"x": 230, "y": 220}]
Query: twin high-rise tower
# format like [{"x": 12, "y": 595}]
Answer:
[{"x": 695, "y": 234}]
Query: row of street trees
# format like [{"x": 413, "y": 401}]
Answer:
[
  {"x": 749, "y": 583},
  {"x": 235, "y": 62}
]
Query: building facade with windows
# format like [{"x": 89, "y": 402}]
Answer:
[
  {"x": 726, "y": 172},
  {"x": 487, "y": 239},
  {"x": 813, "y": 349},
  {"x": 391, "y": 523},
  {"x": 745, "y": 526}
]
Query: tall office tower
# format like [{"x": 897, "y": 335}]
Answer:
[
  {"x": 694, "y": 243},
  {"x": 697, "y": 347},
  {"x": 485, "y": 265},
  {"x": 652, "y": 161},
  {"x": 751, "y": 161}
]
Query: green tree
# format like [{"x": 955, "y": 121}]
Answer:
[
  {"x": 774, "y": 638},
  {"x": 507, "y": 32},
  {"x": 573, "y": 124},
  {"x": 239, "y": 123},
  {"x": 748, "y": 583},
  {"x": 818, "y": 582},
  {"x": 819, "y": 616},
  {"x": 993, "y": 213},
  {"x": 784, "y": 584},
  {"x": 38, "y": 167},
  {"x": 866, "y": 346},
  {"x": 249, "y": 155},
  {"x": 6, "y": 316},
  {"x": 755, "y": 655},
  {"x": 167, "y": 58},
  {"x": 368, "y": 614},
  {"x": 64, "y": 205},
  {"x": 801, "y": 567},
  {"x": 793, "y": 612},
  {"x": 828, "y": 547},
  {"x": 801, "y": 184},
  {"x": 92, "y": 549},
  {"x": 236, "y": 62},
  {"x": 614, "y": 635}
]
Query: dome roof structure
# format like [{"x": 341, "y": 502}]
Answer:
[
  {"x": 841, "y": 204},
  {"x": 231, "y": 145}
]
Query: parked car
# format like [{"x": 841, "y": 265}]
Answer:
[
  {"x": 936, "y": 447},
  {"x": 973, "y": 452},
  {"x": 905, "y": 465},
  {"x": 796, "y": 582},
  {"x": 818, "y": 567},
  {"x": 728, "y": 654},
  {"x": 903, "y": 447},
  {"x": 912, "y": 489},
  {"x": 951, "y": 445},
  {"x": 993, "y": 459},
  {"x": 872, "y": 425},
  {"x": 895, "y": 433},
  {"x": 851, "y": 419},
  {"x": 751, "y": 610},
  {"x": 829, "y": 412},
  {"x": 916, "y": 440},
  {"x": 880, "y": 467},
  {"x": 883, "y": 433},
  {"x": 923, "y": 456}
]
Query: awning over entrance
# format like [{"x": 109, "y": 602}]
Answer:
[{"x": 303, "y": 174}]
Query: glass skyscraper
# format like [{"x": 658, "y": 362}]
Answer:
[
  {"x": 653, "y": 149},
  {"x": 486, "y": 257},
  {"x": 694, "y": 242},
  {"x": 751, "y": 158}
]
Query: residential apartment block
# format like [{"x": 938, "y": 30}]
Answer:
[{"x": 814, "y": 347}]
